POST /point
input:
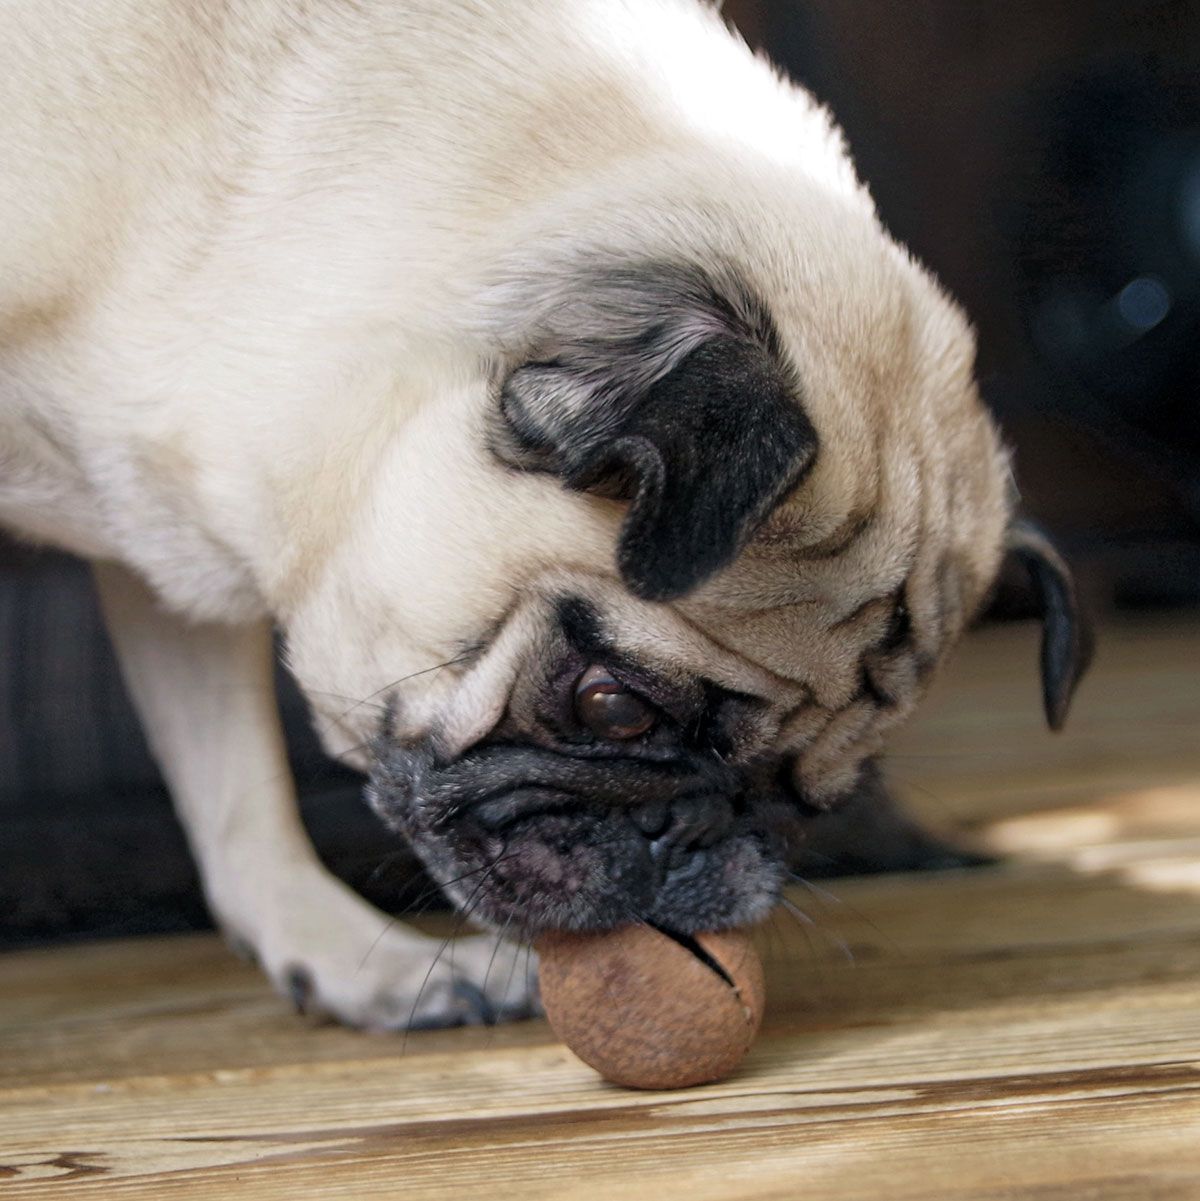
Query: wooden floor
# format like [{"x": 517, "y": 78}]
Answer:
[{"x": 1028, "y": 1031}]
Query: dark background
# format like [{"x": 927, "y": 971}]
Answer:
[{"x": 1042, "y": 157}]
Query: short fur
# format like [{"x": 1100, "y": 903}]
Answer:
[{"x": 415, "y": 327}]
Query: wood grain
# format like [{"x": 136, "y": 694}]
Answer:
[{"x": 1025, "y": 1031}]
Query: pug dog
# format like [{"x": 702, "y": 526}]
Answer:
[{"x": 542, "y": 373}]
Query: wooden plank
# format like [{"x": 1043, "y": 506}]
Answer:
[
  {"x": 979, "y": 749},
  {"x": 1025, "y": 1031},
  {"x": 951, "y": 1096},
  {"x": 957, "y": 1024}
]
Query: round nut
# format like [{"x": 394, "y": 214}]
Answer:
[{"x": 648, "y": 1009}]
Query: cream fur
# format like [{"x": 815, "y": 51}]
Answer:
[{"x": 265, "y": 261}]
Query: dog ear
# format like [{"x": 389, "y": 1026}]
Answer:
[
  {"x": 1036, "y": 582},
  {"x": 703, "y": 453}
]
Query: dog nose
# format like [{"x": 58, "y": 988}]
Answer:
[
  {"x": 678, "y": 828},
  {"x": 653, "y": 818}
]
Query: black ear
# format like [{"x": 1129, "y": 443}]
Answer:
[
  {"x": 1048, "y": 594},
  {"x": 703, "y": 454}
]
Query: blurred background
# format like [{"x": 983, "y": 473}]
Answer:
[
  {"x": 1042, "y": 156},
  {"x": 1044, "y": 160}
]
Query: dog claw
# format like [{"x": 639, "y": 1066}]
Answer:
[
  {"x": 477, "y": 1010},
  {"x": 300, "y": 989}
]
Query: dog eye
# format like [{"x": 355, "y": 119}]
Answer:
[{"x": 608, "y": 708}]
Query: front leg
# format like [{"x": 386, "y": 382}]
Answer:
[
  {"x": 869, "y": 832},
  {"x": 206, "y": 697}
]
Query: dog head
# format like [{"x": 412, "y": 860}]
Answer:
[{"x": 647, "y": 578}]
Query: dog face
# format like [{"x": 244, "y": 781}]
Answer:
[{"x": 646, "y": 583}]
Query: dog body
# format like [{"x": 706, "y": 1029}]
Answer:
[{"x": 480, "y": 346}]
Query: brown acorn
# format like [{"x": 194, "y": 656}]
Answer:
[{"x": 649, "y": 1009}]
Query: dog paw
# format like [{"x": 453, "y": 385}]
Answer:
[
  {"x": 479, "y": 980},
  {"x": 418, "y": 983},
  {"x": 334, "y": 956}
]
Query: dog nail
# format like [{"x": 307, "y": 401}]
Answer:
[
  {"x": 300, "y": 988},
  {"x": 479, "y": 1010}
]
